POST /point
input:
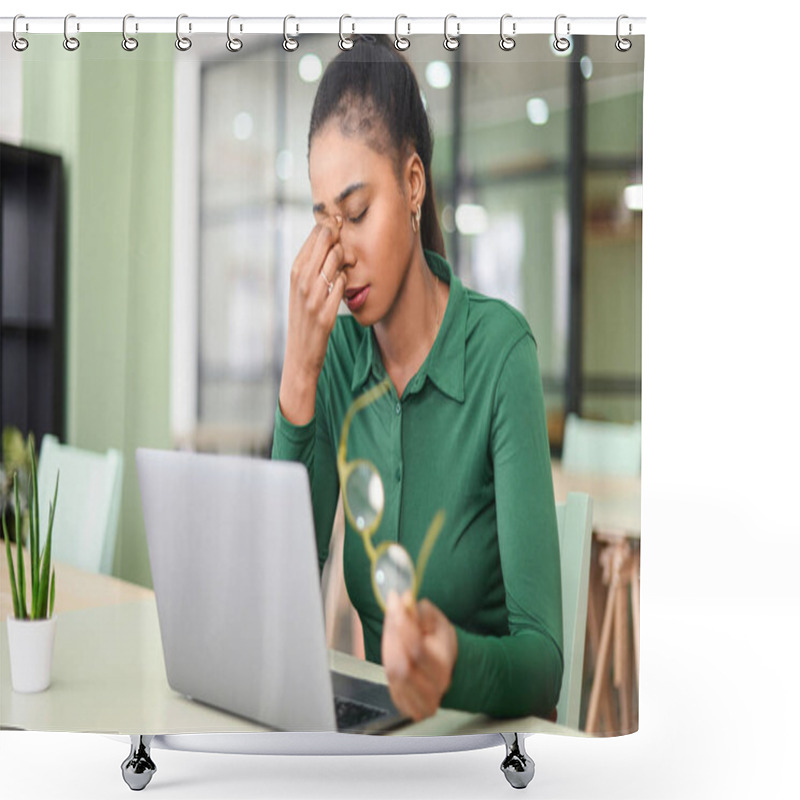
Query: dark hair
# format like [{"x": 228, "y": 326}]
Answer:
[{"x": 371, "y": 90}]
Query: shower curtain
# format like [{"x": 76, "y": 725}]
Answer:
[{"x": 153, "y": 203}]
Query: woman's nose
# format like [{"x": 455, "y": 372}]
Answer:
[{"x": 346, "y": 241}]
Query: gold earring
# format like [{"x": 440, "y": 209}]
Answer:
[{"x": 415, "y": 217}]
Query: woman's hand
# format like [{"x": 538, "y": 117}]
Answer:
[
  {"x": 316, "y": 288},
  {"x": 418, "y": 650}
]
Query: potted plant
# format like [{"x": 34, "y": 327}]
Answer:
[{"x": 31, "y": 635}]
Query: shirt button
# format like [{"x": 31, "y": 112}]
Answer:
[
  {"x": 397, "y": 409},
  {"x": 398, "y": 474}
]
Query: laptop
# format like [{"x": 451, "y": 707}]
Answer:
[{"x": 234, "y": 563}]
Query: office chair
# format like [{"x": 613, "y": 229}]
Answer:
[
  {"x": 609, "y": 448},
  {"x": 87, "y": 511}
]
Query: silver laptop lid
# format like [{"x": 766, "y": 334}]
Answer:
[{"x": 234, "y": 566}]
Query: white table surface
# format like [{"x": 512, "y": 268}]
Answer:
[
  {"x": 616, "y": 501},
  {"x": 109, "y": 677}
]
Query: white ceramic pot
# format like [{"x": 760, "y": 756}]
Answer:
[{"x": 30, "y": 647}]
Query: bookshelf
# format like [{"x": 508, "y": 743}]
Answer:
[{"x": 32, "y": 290}]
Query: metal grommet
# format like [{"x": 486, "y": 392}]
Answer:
[
  {"x": 18, "y": 43},
  {"x": 289, "y": 44},
  {"x": 70, "y": 42},
  {"x": 400, "y": 42},
  {"x": 506, "y": 42},
  {"x": 345, "y": 42},
  {"x": 182, "y": 43},
  {"x": 233, "y": 44},
  {"x": 128, "y": 42},
  {"x": 451, "y": 42},
  {"x": 560, "y": 43},
  {"x": 623, "y": 45}
]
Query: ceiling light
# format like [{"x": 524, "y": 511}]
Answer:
[
  {"x": 437, "y": 73},
  {"x": 538, "y": 111},
  {"x": 309, "y": 67}
]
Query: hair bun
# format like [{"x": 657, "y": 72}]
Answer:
[{"x": 376, "y": 40}]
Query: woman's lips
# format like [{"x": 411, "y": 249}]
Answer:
[{"x": 355, "y": 298}]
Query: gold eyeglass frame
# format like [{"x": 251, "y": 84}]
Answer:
[{"x": 346, "y": 469}]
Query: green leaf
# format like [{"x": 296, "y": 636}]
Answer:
[
  {"x": 14, "y": 593},
  {"x": 41, "y": 606},
  {"x": 34, "y": 515},
  {"x": 23, "y": 604},
  {"x": 52, "y": 592}
]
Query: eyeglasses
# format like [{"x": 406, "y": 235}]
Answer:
[{"x": 362, "y": 492}]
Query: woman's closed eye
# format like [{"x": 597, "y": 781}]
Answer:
[{"x": 359, "y": 217}]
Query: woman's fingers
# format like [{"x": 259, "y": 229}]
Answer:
[
  {"x": 332, "y": 265},
  {"x": 439, "y": 635},
  {"x": 308, "y": 263},
  {"x": 328, "y": 237},
  {"x": 400, "y": 639},
  {"x": 336, "y": 296},
  {"x": 306, "y": 258},
  {"x": 307, "y": 271},
  {"x": 430, "y": 617},
  {"x": 415, "y": 678},
  {"x": 406, "y": 625}
]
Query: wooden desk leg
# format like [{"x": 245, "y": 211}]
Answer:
[
  {"x": 622, "y": 654},
  {"x": 601, "y": 664},
  {"x": 635, "y": 613},
  {"x": 593, "y": 612},
  {"x": 606, "y": 716}
]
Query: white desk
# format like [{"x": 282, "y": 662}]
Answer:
[
  {"x": 617, "y": 501},
  {"x": 109, "y": 675}
]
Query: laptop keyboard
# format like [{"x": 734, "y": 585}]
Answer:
[{"x": 352, "y": 714}]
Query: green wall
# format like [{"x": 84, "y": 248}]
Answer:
[{"x": 109, "y": 114}]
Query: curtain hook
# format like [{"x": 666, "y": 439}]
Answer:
[
  {"x": 233, "y": 44},
  {"x": 182, "y": 43},
  {"x": 18, "y": 43},
  {"x": 290, "y": 44},
  {"x": 345, "y": 42},
  {"x": 561, "y": 43},
  {"x": 507, "y": 42},
  {"x": 623, "y": 45},
  {"x": 400, "y": 42},
  {"x": 71, "y": 43},
  {"x": 451, "y": 42},
  {"x": 128, "y": 42}
]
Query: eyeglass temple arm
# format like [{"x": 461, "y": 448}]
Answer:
[
  {"x": 358, "y": 404},
  {"x": 434, "y": 529}
]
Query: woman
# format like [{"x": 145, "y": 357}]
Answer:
[{"x": 462, "y": 427}]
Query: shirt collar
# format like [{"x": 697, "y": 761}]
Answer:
[{"x": 445, "y": 362}]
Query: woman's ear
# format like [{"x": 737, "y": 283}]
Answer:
[{"x": 414, "y": 180}]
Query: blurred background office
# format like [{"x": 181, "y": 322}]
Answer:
[{"x": 158, "y": 317}]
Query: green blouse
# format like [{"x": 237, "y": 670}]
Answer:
[{"x": 469, "y": 436}]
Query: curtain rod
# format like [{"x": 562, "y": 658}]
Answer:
[{"x": 298, "y": 25}]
